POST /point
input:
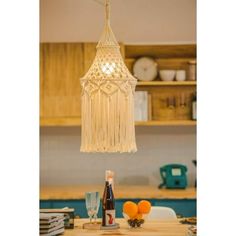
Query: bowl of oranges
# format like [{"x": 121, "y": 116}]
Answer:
[{"x": 135, "y": 214}]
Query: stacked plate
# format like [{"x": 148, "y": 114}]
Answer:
[
  {"x": 192, "y": 230},
  {"x": 51, "y": 224},
  {"x": 192, "y": 221}
]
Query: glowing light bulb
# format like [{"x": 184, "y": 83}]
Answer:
[{"x": 108, "y": 68}]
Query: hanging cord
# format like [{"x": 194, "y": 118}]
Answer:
[
  {"x": 107, "y": 11},
  {"x": 107, "y": 8},
  {"x": 107, "y": 37}
]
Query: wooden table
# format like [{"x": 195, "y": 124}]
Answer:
[{"x": 150, "y": 228}]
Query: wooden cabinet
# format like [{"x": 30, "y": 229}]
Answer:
[{"x": 63, "y": 64}]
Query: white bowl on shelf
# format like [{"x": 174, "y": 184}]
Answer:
[
  {"x": 167, "y": 75},
  {"x": 180, "y": 75}
]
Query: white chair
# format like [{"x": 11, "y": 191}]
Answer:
[{"x": 162, "y": 213}]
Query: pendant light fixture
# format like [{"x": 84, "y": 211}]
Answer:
[{"x": 108, "y": 98}]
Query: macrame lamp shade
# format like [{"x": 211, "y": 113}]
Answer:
[{"x": 108, "y": 99}]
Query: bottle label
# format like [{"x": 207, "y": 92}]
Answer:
[{"x": 110, "y": 217}]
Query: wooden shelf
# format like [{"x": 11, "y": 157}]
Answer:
[
  {"x": 76, "y": 121},
  {"x": 166, "y": 83},
  {"x": 161, "y": 51},
  {"x": 60, "y": 121},
  {"x": 166, "y": 123}
]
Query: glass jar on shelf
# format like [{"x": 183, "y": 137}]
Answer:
[
  {"x": 170, "y": 108},
  {"x": 192, "y": 70},
  {"x": 182, "y": 107}
]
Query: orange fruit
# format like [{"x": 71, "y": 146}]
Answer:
[
  {"x": 144, "y": 207},
  {"x": 130, "y": 209}
]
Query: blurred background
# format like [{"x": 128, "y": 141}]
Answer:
[{"x": 134, "y": 22}]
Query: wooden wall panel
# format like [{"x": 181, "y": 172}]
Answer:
[
  {"x": 61, "y": 68},
  {"x": 89, "y": 55},
  {"x": 41, "y": 92}
]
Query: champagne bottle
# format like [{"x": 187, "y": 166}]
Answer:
[
  {"x": 194, "y": 107},
  {"x": 108, "y": 203}
]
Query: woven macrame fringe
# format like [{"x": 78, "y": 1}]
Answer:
[{"x": 107, "y": 123}]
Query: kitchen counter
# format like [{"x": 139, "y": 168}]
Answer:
[
  {"x": 120, "y": 191},
  {"x": 151, "y": 227},
  {"x": 182, "y": 201}
]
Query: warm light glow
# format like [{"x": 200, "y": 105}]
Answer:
[{"x": 108, "y": 68}]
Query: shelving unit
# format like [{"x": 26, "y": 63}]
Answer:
[
  {"x": 166, "y": 123},
  {"x": 174, "y": 57},
  {"x": 60, "y": 121},
  {"x": 62, "y": 64}
]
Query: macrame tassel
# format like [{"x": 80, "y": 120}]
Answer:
[{"x": 108, "y": 122}]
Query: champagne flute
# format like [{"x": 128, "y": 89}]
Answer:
[
  {"x": 96, "y": 204},
  {"x": 92, "y": 201}
]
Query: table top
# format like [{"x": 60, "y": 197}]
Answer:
[
  {"x": 149, "y": 228},
  {"x": 120, "y": 191}
]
